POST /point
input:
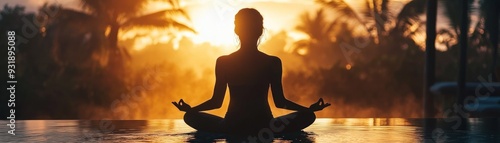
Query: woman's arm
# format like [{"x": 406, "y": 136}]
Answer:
[
  {"x": 219, "y": 90},
  {"x": 277, "y": 89}
]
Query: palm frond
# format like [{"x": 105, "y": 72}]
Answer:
[
  {"x": 113, "y": 8},
  {"x": 410, "y": 12},
  {"x": 301, "y": 44},
  {"x": 169, "y": 13},
  {"x": 304, "y": 21},
  {"x": 174, "y": 3},
  {"x": 329, "y": 28},
  {"x": 453, "y": 10},
  {"x": 178, "y": 12},
  {"x": 490, "y": 13},
  {"x": 384, "y": 14},
  {"x": 343, "y": 9},
  {"x": 367, "y": 11},
  {"x": 94, "y": 6},
  {"x": 157, "y": 19},
  {"x": 315, "y": 27},
  {"x": 306, "y": 25},
  {"x": 70, "y": 14},
  {"x": 346, "y": 13}
]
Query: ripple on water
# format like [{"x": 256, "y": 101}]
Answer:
[{"x": 323, "y": 130}]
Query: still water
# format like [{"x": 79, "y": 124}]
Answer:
[{"x": 323, "y": 130}]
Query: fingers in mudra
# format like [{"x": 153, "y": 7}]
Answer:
[
  {"x": 181, "y": 105},
  {"x": 323, "y": 104},
  {"x": 319, "y": 105}
]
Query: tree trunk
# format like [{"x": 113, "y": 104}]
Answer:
[
  {"x": 115, "y": 63},
  {"x": 384, "y": 10},
  {"x": 379, "y": 22},
  {"x": 113, "y": 36}
]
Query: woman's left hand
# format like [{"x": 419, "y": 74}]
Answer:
[
  {"x": 183, "y": 106},
  {"x": 319, "y": 105}
]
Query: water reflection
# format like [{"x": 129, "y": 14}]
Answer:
[
  {"x": 303, "y": 137},
  {"x": 369, "y": 121},
  {"x": 323, "y": 130}
]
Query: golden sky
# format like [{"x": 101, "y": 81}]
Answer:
[{"x": 213, "y": 20}]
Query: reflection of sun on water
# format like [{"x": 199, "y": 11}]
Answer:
[
  {"x": 368, "y": 121},
  {"x": 36, "y": 128}
]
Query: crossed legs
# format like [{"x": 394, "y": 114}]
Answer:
[
  {"x": 204, "y": 122},
  {"x": 292, "y": 122}
]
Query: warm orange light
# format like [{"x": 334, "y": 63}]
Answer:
[
  {"x": 214, "y": 28},
  {"x": 348, "y": 66},
  {"x": 302, "y": 51}
]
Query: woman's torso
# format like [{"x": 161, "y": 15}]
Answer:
[{"x": 248, "y": 77}]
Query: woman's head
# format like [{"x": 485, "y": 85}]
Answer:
[{"x": 248, "y": 24}]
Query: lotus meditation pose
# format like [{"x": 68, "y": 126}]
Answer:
[{"x": 249, "y": 74}]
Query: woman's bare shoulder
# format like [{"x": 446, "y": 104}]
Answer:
[
  {"x": 274, "y": 59},
  {"x": 222, "y": 58}
]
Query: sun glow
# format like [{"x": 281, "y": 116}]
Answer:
[
  {"x": 213, "y": 22},
  {"x": 214, "y": 26}
]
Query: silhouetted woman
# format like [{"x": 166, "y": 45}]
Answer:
[{"x": 249, "y": 73}]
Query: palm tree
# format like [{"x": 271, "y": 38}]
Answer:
[
  {"x": 111, "y": 16},
  {"x": 392, "y": 48},
  {"x": 484, "y": 34},
  {"x": 81, "y": 48},
  {"x": 317, "y": 47},
  {"x": 375, "y": 17},
  {"x": 333, "y": 41}
]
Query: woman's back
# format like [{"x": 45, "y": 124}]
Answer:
[{"x": 248, "y": 75}]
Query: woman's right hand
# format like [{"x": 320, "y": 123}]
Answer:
[
  {"x": 181, "y": 105},
  {"x": 320, "y": 105}
]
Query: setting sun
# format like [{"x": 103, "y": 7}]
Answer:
[
  {"x": 213, "y": 27},
  {"x": 214, "y": 22}
]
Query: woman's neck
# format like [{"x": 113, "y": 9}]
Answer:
[{"x": 248, "y": 46}]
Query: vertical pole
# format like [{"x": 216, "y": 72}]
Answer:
[
  {"x": 493, "y": 9},
  {"x": 430, "y": 64},
  {"x": 430, "y": 57},
  {"x": 462, "y": 67}
]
